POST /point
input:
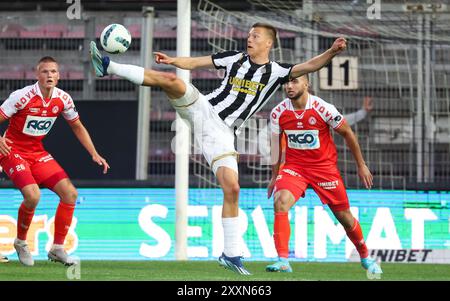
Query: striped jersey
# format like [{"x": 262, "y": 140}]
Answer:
[{"x": 246, "y": 86}]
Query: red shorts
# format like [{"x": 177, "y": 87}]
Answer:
[
  {"x": 39, "y": 169},
  {"x": 327, "y": 183}
]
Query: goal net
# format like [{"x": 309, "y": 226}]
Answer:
[{"x": 396, "y": 57}]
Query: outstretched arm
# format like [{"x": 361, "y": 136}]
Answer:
[
  {"x": 85, "y": 139},
  {"x": 350, "y": 139},
  {"x": 188, "y": 63},
  {"x": 319, "y": 61},
  {"x": 359, "y": 115},
  {"x": 355, "y": 117}
]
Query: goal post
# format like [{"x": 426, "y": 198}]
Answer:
[
  {"x": 144, "y": 103},
  {"x": 182, "y": 137}
]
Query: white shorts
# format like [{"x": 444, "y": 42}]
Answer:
[{"x": 214, "y": 138}]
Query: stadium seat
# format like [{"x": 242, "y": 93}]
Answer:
[
  {"x": 75, "y": 75},
  {"x": 54, "y": 30},
  {"x": 99, "y": 29},
  {"x": 135, "y": 30},
  {"x": 6, "y": 74},
  {"x": 286, "y": 34},
  {"x": 29, "y": 74},
  {"x": 165, "y": 33},
  {"x": 55, "y": 27},
  {"x": 10, "y": 30},
  {"x": 45, "y": 31},
  {"x": 76, "y": 32},
  {"x": 161, "y": 154},
  {"x": 12, "y": 72},
  {"x": 162, "y": 115},
  {"x": 198, "y": 30},
  {"x": 240, "y": 34},
  {"x": 63, "y": 75},
  {"x": 32, "y": 33}
]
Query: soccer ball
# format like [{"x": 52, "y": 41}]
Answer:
[{"x": 115, "y": 38}]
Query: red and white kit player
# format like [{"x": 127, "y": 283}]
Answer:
[
  {"x": 31, "y": 112},
  {"x": 311, "y": 160}
]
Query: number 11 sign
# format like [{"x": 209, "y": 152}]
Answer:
[{"x": 340, "y": 74}]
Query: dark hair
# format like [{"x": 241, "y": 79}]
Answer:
[
  {"x": 306, "y": 76},
  {"x": 270, "y": 29},
  {"x": 47, "y": 59}
]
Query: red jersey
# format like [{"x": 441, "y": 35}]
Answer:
[
  {"x": 308, "y": 138},
  {"x": 31, "y": 116}
]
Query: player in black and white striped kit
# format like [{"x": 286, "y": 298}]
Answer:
[{"x": 250, "y": 79}]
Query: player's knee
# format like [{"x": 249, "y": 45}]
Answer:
[
  {"x": 167, "y": 79},
  {"x": 158, "y": 78},
  {"x": 170, "y": 76},
  {"x": 70, "y": 196},
  {"x": 73, "y": 195},
  {"x": 281, "y": 204},
  {"x": 32, "y": 197},
  {"x": 348, "y": 222},
  {"x": 235, "y": 189},
  {"x": 346, "y": 218},
  {"x": 232, "y": 189}
]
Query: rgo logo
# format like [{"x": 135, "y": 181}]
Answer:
[
  {"x": 38, "y": 126},
  {"x": 303, "y": 139}
]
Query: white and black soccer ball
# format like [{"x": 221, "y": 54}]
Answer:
[{"x": 115, "y": 38}]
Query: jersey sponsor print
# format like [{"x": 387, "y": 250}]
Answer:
[{"x": 246, "y": 86}]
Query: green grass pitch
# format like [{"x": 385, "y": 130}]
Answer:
[{"x": 210, "y": 270}]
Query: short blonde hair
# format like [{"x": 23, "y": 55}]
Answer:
[
  {"x": 270, "y": 29},
  {"x": 46, "y": 59}
]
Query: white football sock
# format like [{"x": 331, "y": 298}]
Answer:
[
  {"x": 20, "y": 241},
  {"x": 231, "y": 236},
  {"x": 56, "y": 246},
  {"x": 133, "y": 73}
]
